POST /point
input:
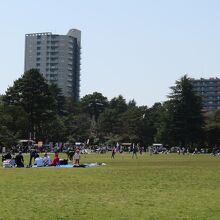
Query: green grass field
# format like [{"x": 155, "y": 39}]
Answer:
[{"x": 156, "y": 187}]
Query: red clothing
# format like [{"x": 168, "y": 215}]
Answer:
[{"x": 55, "y": 161}]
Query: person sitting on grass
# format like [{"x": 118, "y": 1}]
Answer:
[
  {"x": 39, "y": 161},
  {"x": 19, "y": 160},
  {"x": 46, "y": 160},
  {"x": 76, "y": 157},
  {"x": 56, "y": 160}
]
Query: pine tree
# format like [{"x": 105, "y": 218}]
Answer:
[{"x": 185, "y": 115}]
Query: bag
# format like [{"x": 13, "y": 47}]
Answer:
[{"x": 63, "y": 162}]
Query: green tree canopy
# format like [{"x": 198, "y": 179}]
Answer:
[
  {"x": 184, "y": 114},
  {"x": 93, "y": 104},
  {"x": 118, "y": 104},
  {"x": 31, "y": 92}
]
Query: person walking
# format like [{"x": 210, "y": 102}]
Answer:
[{"x": 113, "y": 152}]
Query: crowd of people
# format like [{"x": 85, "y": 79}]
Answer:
[
  {"x": 9, "y": 160},
  {"x": 74, "y": 154},
  {"x": 135, "y": 149}
]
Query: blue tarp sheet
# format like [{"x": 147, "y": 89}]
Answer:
[{"x": 73, "y": 166}]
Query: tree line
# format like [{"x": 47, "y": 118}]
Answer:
[{"x": 31, "y": 108}]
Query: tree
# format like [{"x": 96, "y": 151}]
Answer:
[
  {"x": 55, "y": 130},
  {"x": 118, "y": 104},
  {"x": 109, "y": 124},
  {"x": 133, "y": 125},
  {"x": 153, "y": 120},
  {"x": 164, "y": 129},
  {"x": 93, "y": 104},
  {"x": 212, "y": 116},
  {"x": 78, "y": 127},
  {"x": 212, "y": 132},
  {"x": 212, "y": 128},
  {"x": 59, "y": 100},
  {"x": 131, "y": 103},
  {"x": 16, "y": 120},
  {"x": 184, "y": 114},
  {"x": 6, "y": 135},
  {"x": 31, "y": 92}
]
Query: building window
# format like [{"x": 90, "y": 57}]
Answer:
[
  {"x": 54, "y": 53},
  {"x": 54, "y": 58},
  {"x": 53, "y": 75}
]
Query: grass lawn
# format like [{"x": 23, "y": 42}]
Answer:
[{"x": 159, "y": 187}]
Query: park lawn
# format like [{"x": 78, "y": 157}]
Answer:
[{"x": 160, "y": 187}]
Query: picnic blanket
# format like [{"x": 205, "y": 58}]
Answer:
[{"x": 85, "y": 165}]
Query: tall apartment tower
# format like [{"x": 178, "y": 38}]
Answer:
[
  {"x": 209, "y": 91},
  {"x": 57, "y": 57}
]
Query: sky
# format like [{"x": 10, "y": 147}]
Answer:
[{"x": 133, "y": 48}]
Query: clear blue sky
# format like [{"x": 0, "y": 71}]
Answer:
[{"x": 136, "y": 48}]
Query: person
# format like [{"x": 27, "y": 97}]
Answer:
[
  {"x": 150, "y": 150},
  {"x": 76, "y": 157},
  {"x": 183, "y": 150},
  {"x": 33, "y": 155},
  {"x": 113, "y": 152},
  {"x": 56, "y": 160},
  {"x": 141, "y": 150},
  {"x": 39, "y": 161},
  {"x": 195, "y": 151},
  {"x": 134, "y": 151},
  {"x": 46, "y": 160},
  {"x": 19, "y": 160},
  {"x": 187, "y": 150}
]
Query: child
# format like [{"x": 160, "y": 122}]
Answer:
[{"x": 76, "y": 157}]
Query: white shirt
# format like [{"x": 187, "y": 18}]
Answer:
[
  {"x": 47, "y": 160},
  {"x": 39, "y": 162}
]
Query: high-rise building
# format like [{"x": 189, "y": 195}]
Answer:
[
  {"x": 209, "y": 90},
  {"x": 57, "y": 57}
]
